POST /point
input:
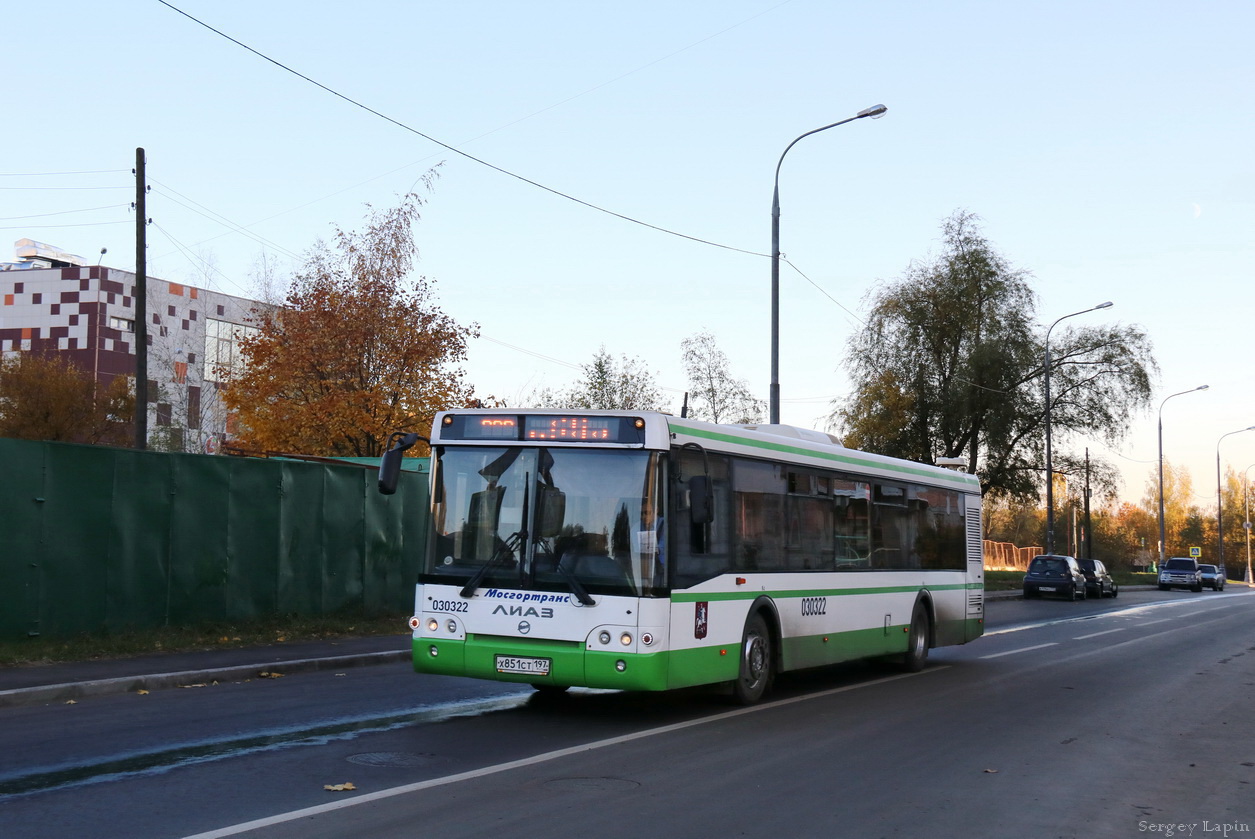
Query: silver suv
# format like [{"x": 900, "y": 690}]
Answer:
[{"x": 1181, "y": 572}]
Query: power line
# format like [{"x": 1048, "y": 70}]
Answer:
[
  {"x": 538, "y": 112},
  {"x": 532, "y": 353},
  {"x": 65, "y": 212},
  {"x": 822, "y": 290},
  {"x": 51, "y": 226},
  {"x": 193, "y": 258},
  {"x": 453, "y": 149},
  {"x": 218, "y": 217},
  {"x": 57, "y": 188},
  {"x": 55, "y": 174}
]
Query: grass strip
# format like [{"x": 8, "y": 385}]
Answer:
[{"x": 264, "y": 631}]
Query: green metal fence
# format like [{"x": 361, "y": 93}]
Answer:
[{"x": 95, "y": 539}]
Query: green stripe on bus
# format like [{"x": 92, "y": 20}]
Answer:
[
  {"x": 719, "y": 596},
  {"x": 962, "y": 478},
  {"x": 578, "y": 667}
]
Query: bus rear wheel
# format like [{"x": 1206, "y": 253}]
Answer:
[
  {"x": 757, "y": 662},
  {"x": 916, "y": 655}
]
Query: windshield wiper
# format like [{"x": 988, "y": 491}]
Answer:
[
  {"x": 504, "y": 550},
  {"x": 581, "y": 593}
]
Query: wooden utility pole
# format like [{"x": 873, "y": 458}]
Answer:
[{"x": 141, "y": 305}]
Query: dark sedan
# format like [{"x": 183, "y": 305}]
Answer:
[
  {"x": 1098, "y": 581},
  {"x": 1058, "y": 576}
]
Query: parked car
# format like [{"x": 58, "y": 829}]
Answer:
[
  {"x": 1098, "y": 582},
  {"x": 1059, "y": 576},
  {"x": 1213, "y": 576},
  {"x": 1181, "y": 572}
]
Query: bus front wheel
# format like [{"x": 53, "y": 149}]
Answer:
[{"x": 756, "y": 662}]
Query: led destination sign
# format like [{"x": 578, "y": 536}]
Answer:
[
  {"x": 559, "y": 429},
  {"x": 571, "y": 428}
]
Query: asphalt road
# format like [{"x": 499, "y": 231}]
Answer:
[{"x": 1125, "y": 717}]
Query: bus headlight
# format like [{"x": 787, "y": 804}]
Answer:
[
  {"x": 432, "y": 624},
  {"x": 626, "y": 639},
  {"x": 452, "y": 625},
  {"x": 604, "y": 637}
]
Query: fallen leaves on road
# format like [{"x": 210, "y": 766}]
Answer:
[
  {"x": 266, "y": 674},
  {"x": 142, "y": 692},
  {"x": 345, "y": 787}
]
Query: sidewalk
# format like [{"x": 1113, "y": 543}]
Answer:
[{"x": 32, "y": 685}]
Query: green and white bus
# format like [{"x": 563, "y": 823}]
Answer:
[{"x": 641, "y": 551}]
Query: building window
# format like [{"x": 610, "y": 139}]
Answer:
[
  {"x": 122, "y": 324},
  {"x": 222, "y": 351},
  {"x": 193, "y": 408}
]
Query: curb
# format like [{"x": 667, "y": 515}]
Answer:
[{"x": 185, "y": 678}]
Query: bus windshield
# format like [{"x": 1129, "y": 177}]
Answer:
[{"x": 550, "y": 519}]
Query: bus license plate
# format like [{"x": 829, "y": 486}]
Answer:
[{"x": 522, "y": 664}]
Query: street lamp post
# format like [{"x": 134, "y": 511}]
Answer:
[
  {"x": 1220, "y": 501},
  {"x": 1161, "y": 515},
  {"x": 1050, "y": 483},
  {"x": 874, "y": 111},
  {"x": 1246, "y": 501}
]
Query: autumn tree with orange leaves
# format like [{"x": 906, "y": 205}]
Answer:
[
  {"x": 357, "y": 351},
  {"x": 44, "y": 397}
]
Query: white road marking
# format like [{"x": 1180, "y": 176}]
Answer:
[
  {"x": 235, "y": 830},
  {"x": 1096, "y": 634},
  {"x": 1022, "y": 650}
]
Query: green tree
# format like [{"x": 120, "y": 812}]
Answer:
[
  {"x": 1126, "y": 535},
  {"x": 358, "y": 350},
  {"x": 1234, "y": 514},
  {"x": 44, "y": 397},
  {"x": 716, "y": 395},
  {"x": 1182, "y": 521},
  {"x": 1018, "y": 521},
  {"x": 951, "y": 361},
  {"x": 606, "y": 384}
]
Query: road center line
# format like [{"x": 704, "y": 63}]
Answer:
[
  {"x": 1022, "y": 650},
  {"x": 1096, "y": 634},
  {"x": 235, "y": 830}
]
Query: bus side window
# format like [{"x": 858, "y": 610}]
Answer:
[{"x": 698, "y": 522}]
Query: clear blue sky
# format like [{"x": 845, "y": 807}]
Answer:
[{"x": 1107, "y": 146}]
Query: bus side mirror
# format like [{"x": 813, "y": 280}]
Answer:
[
  {"x": 390, "y": 463},
  {"x": 701, "y": 501}
]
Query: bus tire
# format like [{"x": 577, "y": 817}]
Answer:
[
  {"x": 916, "y": 655},
  {"x": 757, "y": 662}
]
